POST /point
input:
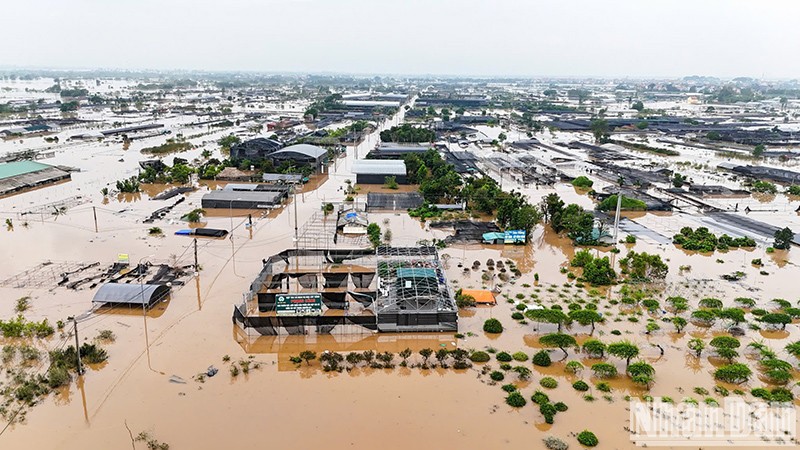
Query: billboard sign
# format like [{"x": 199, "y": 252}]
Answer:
[
  {"x": 298, "y": 304},
  {"x": 515, "y": 237}
]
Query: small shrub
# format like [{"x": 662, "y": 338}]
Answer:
[
  {"x": 548, "y": 382},
  {"x": 603, "y": 387},
  {"x": 515, "y": 400},
  {"x": 479, "y": 356},
  {"x": 509, "y": 388},
  {"x": 560, "y": 406},
  {"x": 493, "y": 326},
  {"x": 542, "y": 359},
  {"x": 587, "y": 438},
  {"x": 520, "y": 356},
  {"x": 497, "y": 376},
  {"x": 503, "y": 357},
  {"x": 580, "y": 386},
  {"x": 540, "y": 398}
]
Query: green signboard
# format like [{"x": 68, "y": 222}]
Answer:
[{"x": 298, "y": 304}]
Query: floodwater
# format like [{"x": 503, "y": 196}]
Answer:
[{"x": 304, "y": 407}]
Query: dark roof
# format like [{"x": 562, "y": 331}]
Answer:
[{"x": 255, "y": 148}]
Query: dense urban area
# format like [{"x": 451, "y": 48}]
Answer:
[{"x": 219, "y": 260}]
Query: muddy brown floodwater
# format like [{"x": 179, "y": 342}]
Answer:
[{"x": 280, "y": 405}]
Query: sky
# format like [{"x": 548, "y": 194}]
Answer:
[{"x": 575, "y": 38}]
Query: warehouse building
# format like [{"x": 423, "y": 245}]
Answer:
[
  {"x": 261, "y": 196},
  {"x": 375, "y": 171},
  {"x": 302, "y": 154},
  {"x": 22, "y": 175}
]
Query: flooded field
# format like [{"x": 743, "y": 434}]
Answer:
[{"x": 154, "y": 377}]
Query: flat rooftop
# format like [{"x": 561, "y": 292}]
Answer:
[
  {"x": 13, "y": 169},
  {"x": 379, "y": 166}
]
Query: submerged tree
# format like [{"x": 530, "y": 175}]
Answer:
[
  {"x": 624, "y": 350},
  {"x": 559, "y": 340}
]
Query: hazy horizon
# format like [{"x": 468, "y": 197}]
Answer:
[{"x": 444, "y": 38}]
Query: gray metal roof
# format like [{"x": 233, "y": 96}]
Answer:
[
  {"x": 135, "y": 294},
  {"x": 379, "y": 166},
  {"x": 288, "y": 177},
  {"x": 312, "y": 151},
  {"x": 248, "y": 196}
]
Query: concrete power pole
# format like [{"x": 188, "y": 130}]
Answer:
[
  {"x": 616, "y": 216},
  {"x": 77, "y": 345}
]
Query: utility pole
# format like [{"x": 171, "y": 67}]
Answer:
[
  {"x": 195, "y": 254},
  {"x": 616, "y": 215},
  {"x": 94, "y": 211},
  {"x": 296, "y": 233},
  {"x": 77, "y": 346}
]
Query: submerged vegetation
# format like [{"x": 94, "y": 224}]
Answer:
[
  {"x": 704, "y": 241},
  {"x": 628, "y": 204}
]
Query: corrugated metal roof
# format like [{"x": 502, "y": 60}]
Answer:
[
  {"x": 13, "y": 169},
  {"x": 379, "y": 166},
  {"x": 312, "y": 151},
  {"x": 136, "y": 294}
]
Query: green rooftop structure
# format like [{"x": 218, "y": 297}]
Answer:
[
  {"x": 415, "y": 272},
  {"x": 13, "y": 169},
  {"x": 22, "y": 175}
]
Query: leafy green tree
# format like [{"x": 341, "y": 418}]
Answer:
[
  {"x": 426, "y": 353},
  {"x": 758, "y": 150},
  {"x": 574, "y": 367},
  {"x": 545, "y": 315},
  {"x": 559, "y": 340},
  {"x": 735, "y": 315},
  {"x": 599, "y": 272},
  {"x": 492, "y": 326},
  {"x": 600, "y": 130},
  {"x": 640, "y": 368},
  {"x": 586, "y": 317},
  {"x": 775, "y": 319},
  {"x": 704, "y": 317},
  {"x": 711, "y": 303},
  {"x": 679, "y": 304},
  {"x": 604, "y": 370},
  {"x": 195, "y": 215},
  {"x": 624, "y": 350},
  {"x": 374, "y": 234},
  {"x": 582, "y": 182},
  {"x": 793, "y": 349},
  {"x": 644, "y": 266},
  {"x": 595, "y": 348},
  {"x": 229, "y": 141},
  {"x": 733, "y": 373},
  {"x": 678, "y": 180},
  {"x": 696, "y": 345},
  {"x": 783, "y": 239},
  {"x": 679, "y": 323},
  {"x": 308, "y": 355},
  {"x": 638, "y": 106}
]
